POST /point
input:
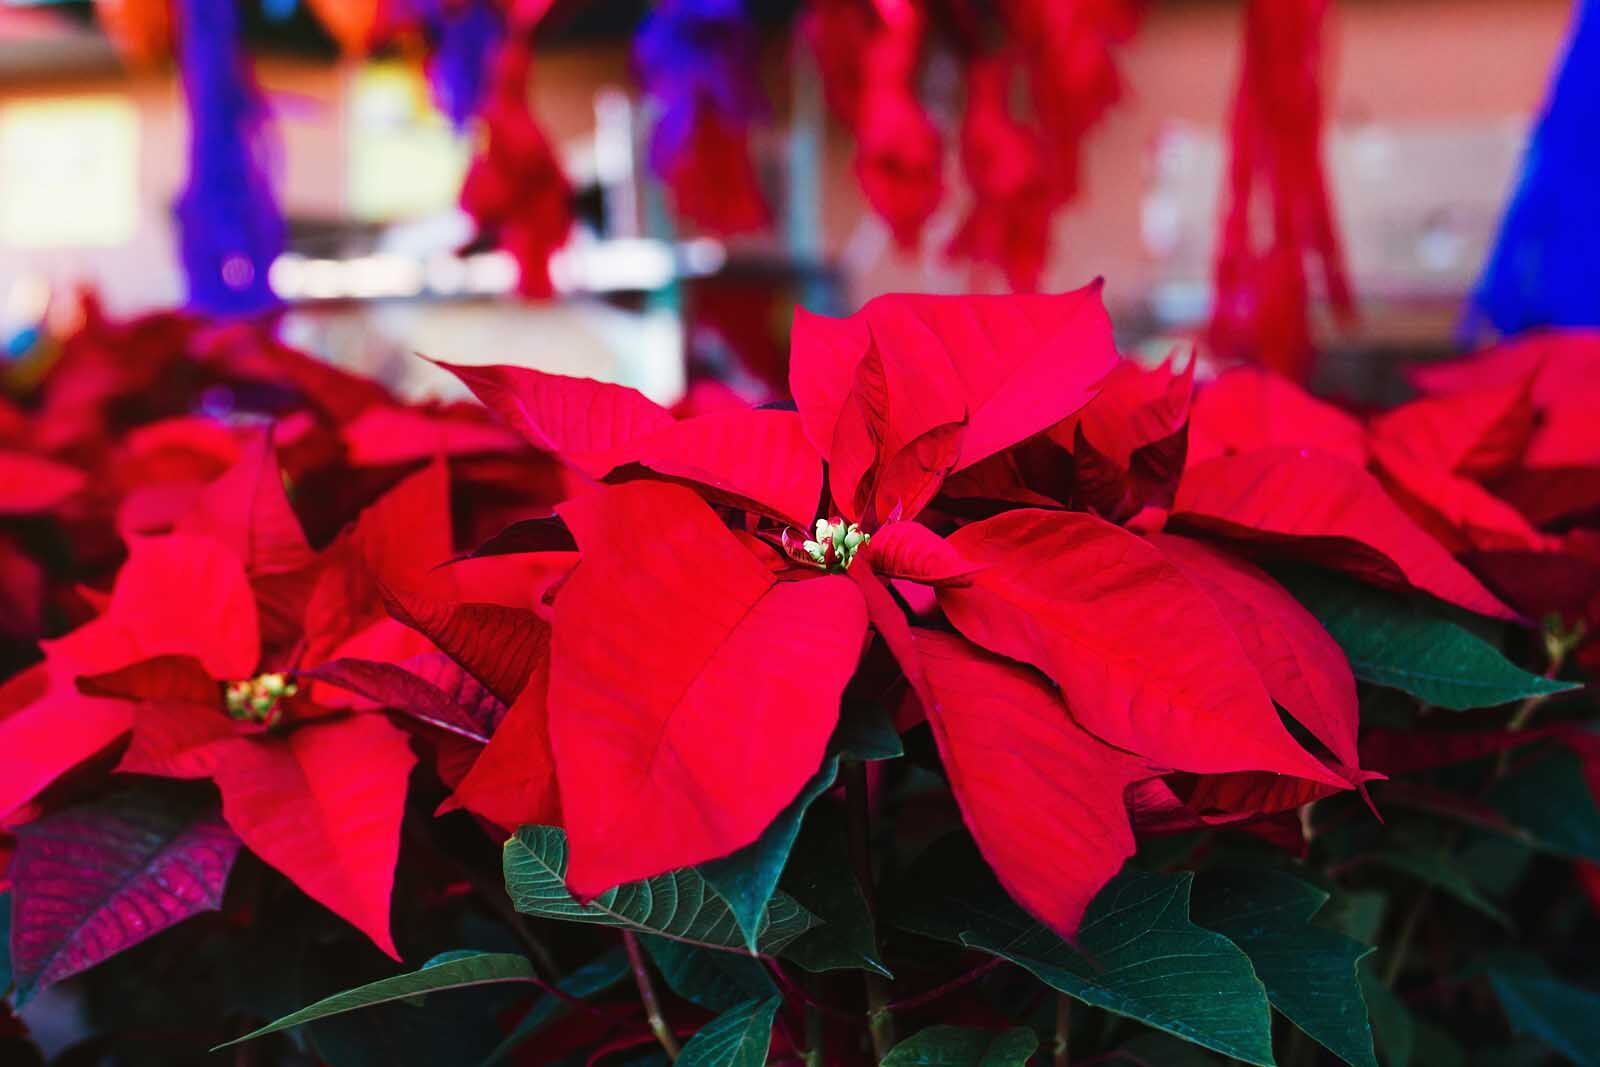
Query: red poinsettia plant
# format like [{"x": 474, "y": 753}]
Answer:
[{"x": 1084, "y": 708}]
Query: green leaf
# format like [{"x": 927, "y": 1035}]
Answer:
[
  {"x": 679, "y": 904},
  {"x": 747, "y": 878},
  {"x": 596, "y": 976},
  {"x": 960, "y": 1046},
  {"x": 738, "y": 1037},
  {"x": 475, "y": 969},
  {"x": 819, "y": 877},
  {"x": 1397, "y": 642},
  {"x": 1564, "y": 1016},
  {"x": 1309, "y": 972},
  {"x": 717, "y": 981},
  {"x": 1392, "y": 1023},
  {"x": 5, "y": 942},
  {"x": 1550, "y": 801},
  {"x": 1139, "y": 954},
  {"x": 865, "y": 732},
  {"x": 1437, "y": 866}
]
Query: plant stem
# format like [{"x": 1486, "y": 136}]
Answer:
[
  {"x": 880, "y": 1023},
  {"x": 1061, "y": 1055},
  {"x": 951, "y": 986},
  {"x": 647, "y": 996}
]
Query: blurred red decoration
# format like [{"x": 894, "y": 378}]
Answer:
[
  {"x": 353, "y": 23},
  {"x": 141, "y": 29},
  {"x": 1262, "y": 291}
]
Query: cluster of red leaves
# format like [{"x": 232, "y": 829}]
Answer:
[{"x": 1048, "y": 553}]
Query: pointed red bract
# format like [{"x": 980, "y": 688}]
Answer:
[
  {"x": 1248, "y": 409},
  {"x": 578, "y": 419},
  {"x": 1328, "y": 511},
  {"x": 248, "y": 511},
  {"x": 1042, "y": 797},
  {"x": 323, "y": 805},
  {"x": 29, "y": 484},
  {"x": 513, "y": 781},
  {"x": 671, "y": 749},
  {"x": 1144, "y": 658},
  {"x": 912, "y": 551},
  {"x": 1303, "y": 668},
  {"x": 751, "y": 459}
]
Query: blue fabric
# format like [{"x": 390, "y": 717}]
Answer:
[
  {"x": 1545, "y": 269},
  {"x": 232, "y": 229},
  {"x": 464, "y": 36},
  {"x": 691, "y": 53}
]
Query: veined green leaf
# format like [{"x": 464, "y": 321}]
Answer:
[
  {"x": 1395, "y": 641},
  {"x": 748, "y": 878},
  {"x": 458, "y": 972},
  {"x": 679, "y": 904},
  {"x": 961, "y": 1046},
  {"x": 1309, "y": 972},
  {"x": 738, "y": 1037},
  {"x": 1139, "y": 954},
  {"x": 1563, "y": 1016},
  {"x": 1550, "y": 800},
  {"x": 717, "y": 981}
]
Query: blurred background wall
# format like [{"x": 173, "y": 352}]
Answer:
[{"x": 1431, "y": 102}]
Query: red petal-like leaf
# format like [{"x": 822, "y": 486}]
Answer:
[
  {"x": 912, "y": 551},
  {"x": 95, "y": 880},
  {"x": 186, "y": 595},
  {"x": 497, "y": 645},
  {"x": 581, "y": 420},
  {"x": 1249, "y": 409},
  {"x": 671, "y": 750},
  {"x": 180, "y": 678},
  {"x": 1460, "y": 514},
  {"x": 753, "y": 459},
  {"x": 323, "y": 805},
  {"x": 1481, "y": 432},
  {"x": 1144, "y": 658},
  {"x": 1042, "y": 797},
  {"x": 513, "y": 781},
  {"x": 1303, "y": 668},
  {"x": 385, "y": 436},
  {"x": 464, "y": 708},
  {"x": 247, "y": 510},
  {"x": 30, "y": 484},
  {"x": 1326, "y": 510},
  {"x": 1134, "y": 407}
]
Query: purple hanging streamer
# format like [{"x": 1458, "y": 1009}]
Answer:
[
  {"x": 694, "y": 53},
  {"x": 232, "y": 228},
  {"x": 463, "y": 36}
]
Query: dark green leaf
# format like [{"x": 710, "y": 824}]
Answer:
[
  {"x": 739, "y": 1037},
  {"x": 748, "y": 878},
  {"x": 1309, "y": 972},
  {"x": 865, "y": 732},
  {"x": 1550, "y": 800},
  {"x": 960, "y": 1046},
  {"x": 1437, "y": 866},
  {"x": 820, "y": 878},
  {"x": 474, "y": 969},
  {"x": 596, "y": 976},
  {"x": 1564, "y": 1016},
  {"x": 1398, "y": 642},
  {"x": 717, "y": 981},
  {"x": 1392, "y": 1024},
  {"x": 1140, "y": 954},
  {"x": 5, "y": 942},
  {"x": 1153, "y": 1047},
  {"x": 680, "y": 904}
]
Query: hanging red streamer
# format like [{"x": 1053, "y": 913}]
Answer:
[
  {"x": 1276, "y": 177},
  {"x": 515, "y": 189},
  {"x": 1008, "y": 225},
  {"x": 1069, "y": 45},
  {"x": 868, "y": 55}
]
